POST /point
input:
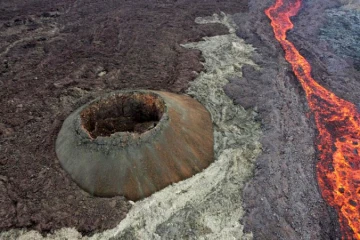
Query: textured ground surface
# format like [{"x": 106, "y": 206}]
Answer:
[
  {"x": 208, "y": 205},
  {"x": 56, "y": 55},
  {"x": 281, "y": 201}
]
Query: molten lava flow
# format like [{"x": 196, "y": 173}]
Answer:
[{"x": 338, "y": 123}]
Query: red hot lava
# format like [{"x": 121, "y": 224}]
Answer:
[{"x": 338, "y": 123}]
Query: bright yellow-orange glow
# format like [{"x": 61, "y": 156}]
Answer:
[{"x": 338, "y": 123}]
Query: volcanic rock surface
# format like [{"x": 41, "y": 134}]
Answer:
[
  {"x": 66, "y": 53},
  {"x": 208, "y": 205},
  {"x": 283, "y": 200},
  {"x": 135, "y": 164},
  {"x": 56, "y": 56}
]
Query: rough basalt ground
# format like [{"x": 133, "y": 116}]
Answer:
[
  {"x": 208, "y": 205},
  {"x": 56, "y": 56},
  {"x": 281, "y": 199}
]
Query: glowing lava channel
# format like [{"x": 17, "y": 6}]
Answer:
[{"x": 338, "y": 123}]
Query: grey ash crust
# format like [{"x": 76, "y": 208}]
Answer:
[{"x": 283, "y": 201}]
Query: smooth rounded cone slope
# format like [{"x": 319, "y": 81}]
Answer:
[{"x": 134, "y": 143}]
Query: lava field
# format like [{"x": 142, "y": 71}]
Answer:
[{"x": 280, "y": 79}]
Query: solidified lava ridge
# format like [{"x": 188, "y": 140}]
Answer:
[{"x": 338, "y": 124}]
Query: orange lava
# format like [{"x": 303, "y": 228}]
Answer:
[{"x": 338, "y": 123}]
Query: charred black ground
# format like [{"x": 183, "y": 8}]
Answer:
[{"x": 132, "y": 112}]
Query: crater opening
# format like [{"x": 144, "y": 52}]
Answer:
[
  {"x": 117, "y": 122},
  {"x": 125, "y": 112}
]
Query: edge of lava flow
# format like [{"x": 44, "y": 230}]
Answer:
[{"x": 338, "y": 124}]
